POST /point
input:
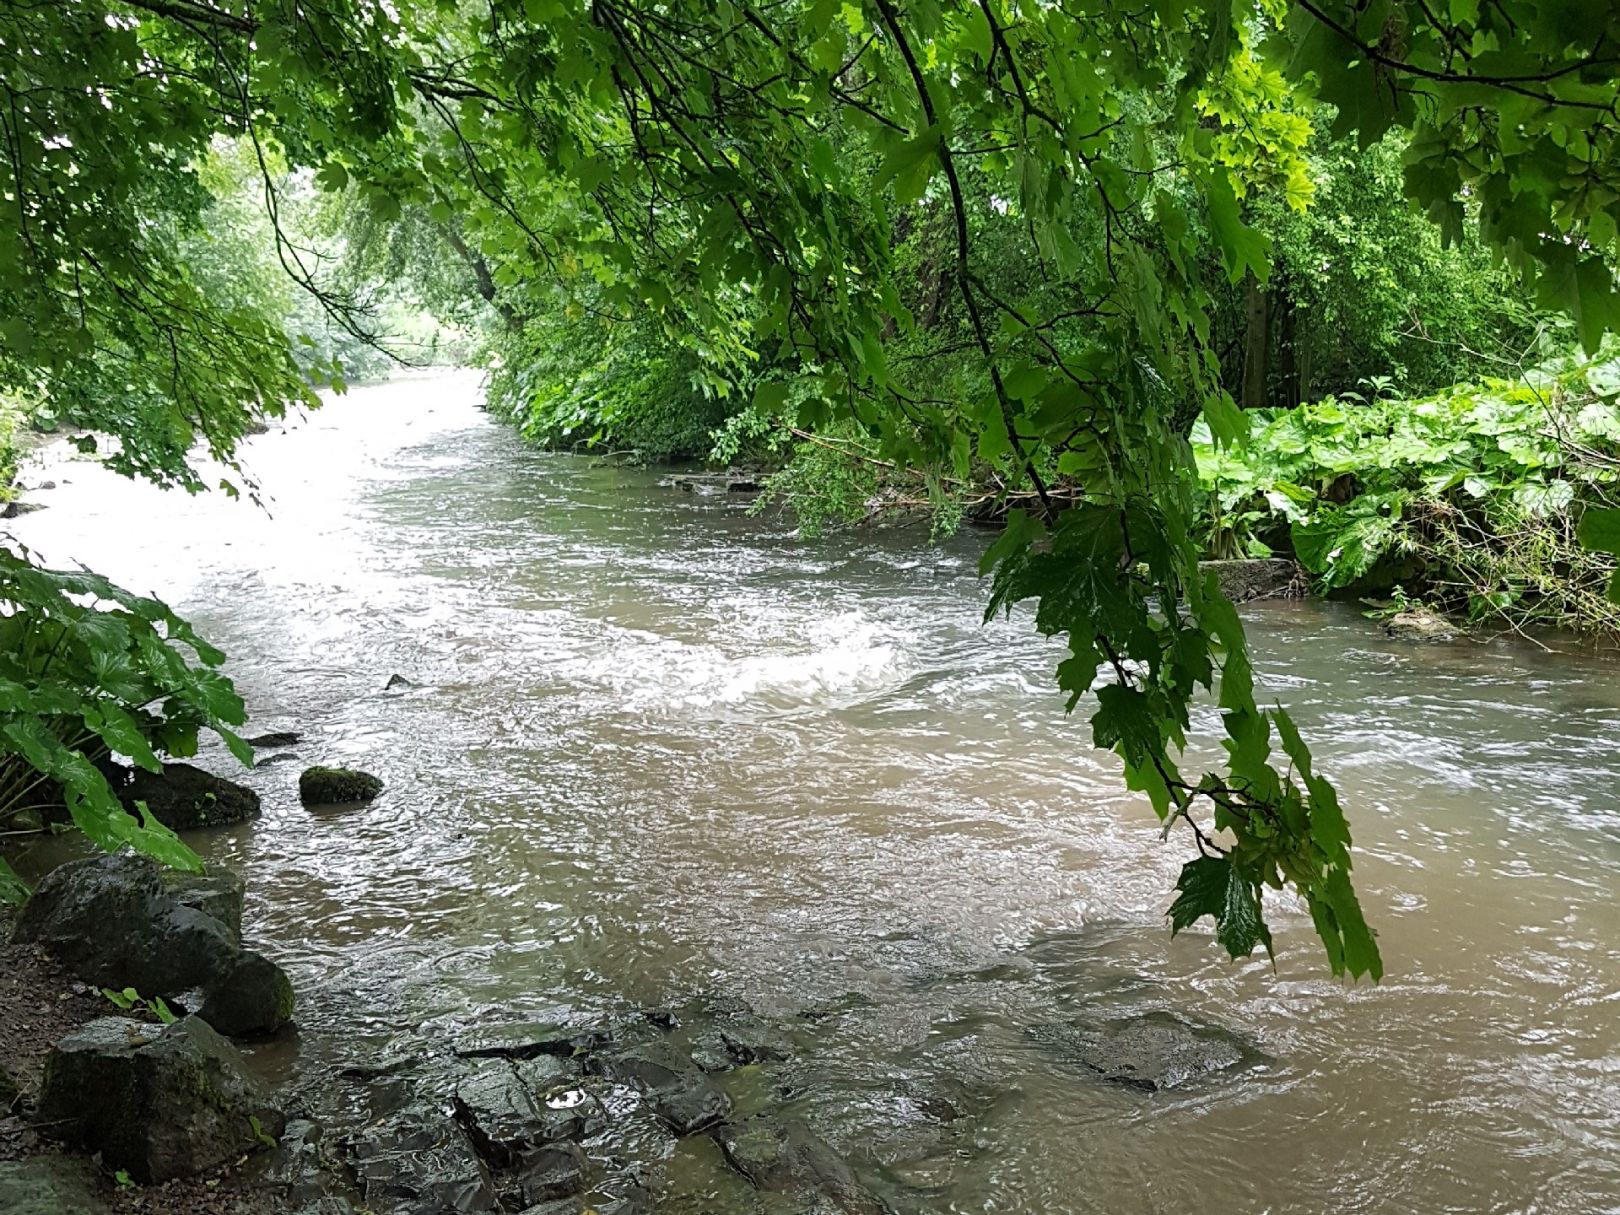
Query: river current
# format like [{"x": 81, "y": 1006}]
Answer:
[{"x": 658, "y": 747}]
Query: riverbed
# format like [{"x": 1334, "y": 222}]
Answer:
[{"x": 656, "y": 747}]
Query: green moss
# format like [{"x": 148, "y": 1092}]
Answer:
[{"x": 323, "y": 786}]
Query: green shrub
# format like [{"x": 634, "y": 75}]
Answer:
[
  {"x": 88, "y": 670},
  {"x": 1470, "y": 497}
]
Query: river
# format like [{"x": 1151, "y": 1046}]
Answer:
[{"x": 659, "y": 747}]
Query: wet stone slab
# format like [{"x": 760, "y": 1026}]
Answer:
[{"x": 1151, "y": 1051}]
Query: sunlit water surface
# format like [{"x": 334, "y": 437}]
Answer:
[{"x": 662, "y": 748}]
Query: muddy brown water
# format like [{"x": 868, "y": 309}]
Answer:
[{"x": 659, "y": 748}]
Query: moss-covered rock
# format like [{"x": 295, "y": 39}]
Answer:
[
  {"x": 255, "y": 998},
  {"x": 183, "y": 797},
  {"x": 115, "y": 923},
  {"x": 157, "y": 1101},
  {"x": 327, "y": 786}
]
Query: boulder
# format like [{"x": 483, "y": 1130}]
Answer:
[
  {"x": 1244, "y": 580},
  {"x": 784, "y": 1156},
  {"x": 1151, "y": 1051},
  {"x": 331, "y": 786},
  {"x": 218, "y": 893},
  {"x": 49, "y": 1185},
  {"x": 120, "y": 921},
  {"x": 114, "y": 923},
  {"x": 1419, "y": 624},
  {"x": 156, "y": 1101},
  {"x": 254, "y": 998},
  {"x": 183, "y": 797},
  {"x": 676, "y": 1089}
]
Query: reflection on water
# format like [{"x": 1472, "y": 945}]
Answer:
[{"x": 660, "y": 748}]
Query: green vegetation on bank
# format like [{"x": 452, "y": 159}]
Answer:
[
  {"x": 1469, "y": 499},
  {"x": 1015, "y": 247}
]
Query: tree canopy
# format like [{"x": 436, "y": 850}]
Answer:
[{"x": 740, "y": 181}]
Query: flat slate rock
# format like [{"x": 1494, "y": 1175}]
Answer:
[
  {"x": 418, "y": 1162},
  {"x": 784, "y": 1156},
  {"x": 674, "y": 1086},
  {"x": 1151, "y": 1051},
  {"x": 529, "y": 1040}
]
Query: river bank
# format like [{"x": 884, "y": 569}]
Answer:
[{"x": 659, "y": 751}]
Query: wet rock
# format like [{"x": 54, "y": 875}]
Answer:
[
  {"x": 1245, "y": 580},
  {"x": 635, "y": 1201},
  {"x": 276, "y": 738},
  {"x": 116, "y": 924},
  {"x": 332, "y": 786},
  {"x": 13, "y": 509},
  {"x": 396, "y": 682},
  {"x": 184, "y": 798},
  {"x": 157, "y": 1101},
  {"x": 298, "y": 1169},
  {"x": 786, "y": 1157},
  {"x": 1152, "y": 1051},
  {"x": 121, "y": 921},
  {"x": 676, "y": 1089},
  {"x": 498, "y": 1112},
  {"x": 1420, "y": 624},
  {"x": 254, "y": 998},
  {"x": 530, "y": 1040},
  {"x": 546, "y": 1173},
  {"x": 9, "y": 1092},
  {"x": 218, "y": 893},
  {"x": 49, "y": 1185},
  {"x": 280, "y": 757},
  {"x": 418, "y": 1162}
]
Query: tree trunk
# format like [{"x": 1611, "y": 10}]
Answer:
[{"x": 1256, "y": 343}]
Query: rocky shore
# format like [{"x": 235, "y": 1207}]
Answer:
[{"x": 128, "y": 1084}]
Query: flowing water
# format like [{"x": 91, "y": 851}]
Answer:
[{"x": 660, "y": 748}]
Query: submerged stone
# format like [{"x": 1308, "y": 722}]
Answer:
[
  {"x": 1420, "y": 624},
  {"x": 531, "y": 1040},
  {"x": 784, "y": 1156},
  {"x": 185, "y": 798},
  {"x": 1151, "y": 1051},
  {"x": 276, "y": 738},
  {"x": 322, "y": 786},
  {"x": 156, "y": 1101}
]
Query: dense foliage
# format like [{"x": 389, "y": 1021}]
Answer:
[
  {"x": 86, "y": 671},
  {"x": 734, "y": 181},
  {"x": 1470, "y": 498}
]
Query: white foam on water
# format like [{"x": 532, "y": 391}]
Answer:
[{"x": 830, "y": 663}]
